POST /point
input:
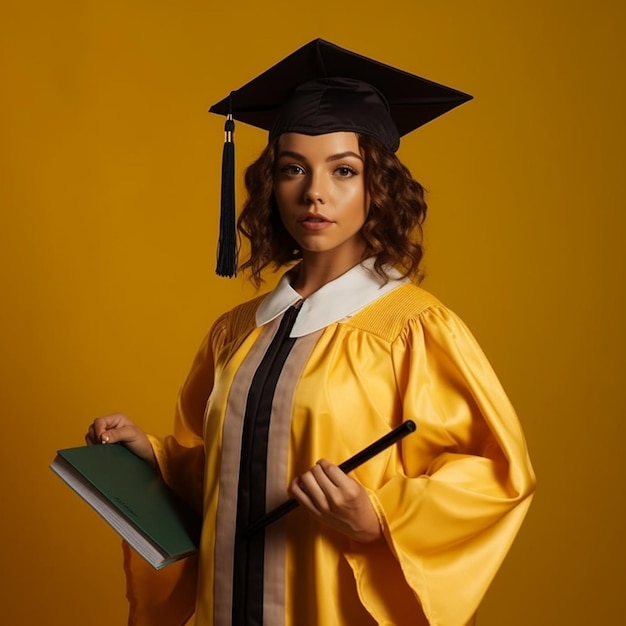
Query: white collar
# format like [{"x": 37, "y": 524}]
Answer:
[{"x": 335, "y": 301}]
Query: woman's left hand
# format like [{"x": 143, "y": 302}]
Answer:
[{"x": 337, "y": 500}]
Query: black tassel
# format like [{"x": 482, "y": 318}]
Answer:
[{"x": 227, "y": 249}]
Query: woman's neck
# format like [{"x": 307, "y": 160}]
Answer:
[{"x": 317, "y": 270}]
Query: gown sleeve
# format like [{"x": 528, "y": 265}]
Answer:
[
  {"x": 167, "y": 597},
  {"x": 464, "y": 481},
  {"x": 180, "y": 456}
]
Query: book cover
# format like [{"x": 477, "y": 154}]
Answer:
[{"x": 133, "y": 498}]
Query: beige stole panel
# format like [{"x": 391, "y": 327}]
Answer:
[{"x": 277, "y": 479}]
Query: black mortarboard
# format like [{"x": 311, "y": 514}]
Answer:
[{"x": 322, "y": 88}]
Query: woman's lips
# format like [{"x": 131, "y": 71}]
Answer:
[{"x": 315, "y": 222}]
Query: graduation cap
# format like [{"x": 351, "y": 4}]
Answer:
[{"x": 322, "y": 88}]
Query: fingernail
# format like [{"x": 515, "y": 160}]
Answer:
[{"x": 104, "y": 439}]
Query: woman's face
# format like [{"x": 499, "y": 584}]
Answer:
[{"x": 319, "y": 186}]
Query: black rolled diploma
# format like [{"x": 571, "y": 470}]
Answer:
[{"x": 347, "y": 466}]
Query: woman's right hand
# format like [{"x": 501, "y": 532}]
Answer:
[{"x": 117, "y": 428}]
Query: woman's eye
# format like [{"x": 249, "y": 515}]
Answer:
[
  {"x": 345, "y": 172},
  {"x": 292, "y": 170}
]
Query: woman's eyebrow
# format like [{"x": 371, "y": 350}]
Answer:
[
  {"x": 343, "y": 155},
  {"x": 291, "y": 154},
  {"x": 333, "y": 157}
]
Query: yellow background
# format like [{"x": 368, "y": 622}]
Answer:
[{"x": 109, "y": 187}]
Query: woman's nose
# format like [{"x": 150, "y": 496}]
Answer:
[{"x": 315, "y": 191}]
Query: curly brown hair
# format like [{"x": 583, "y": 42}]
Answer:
[{"x": 392, "y": 230}]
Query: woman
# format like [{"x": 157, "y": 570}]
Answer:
[{"x": 290, "y": 384}]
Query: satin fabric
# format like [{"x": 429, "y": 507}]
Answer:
[{"x": 450, "y": 497}]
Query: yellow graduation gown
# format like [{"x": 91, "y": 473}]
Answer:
[{"x": 450, "y": 497}]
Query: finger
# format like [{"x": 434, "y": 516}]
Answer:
[
  {"x": 333, "y": 474},
  {"x": 122, "y": 434},
  {"x": 90, "y": 436},
  {"x": 320, "y": 490},
  {"x": 109, "y": 422},
  {"x": 298, "y": 491},
  {"x": 310, "y": 482},
  {"x": 342, "y": 492},
  {"x": 322, "y": 484},
  {"x": 330, "y": 479}
]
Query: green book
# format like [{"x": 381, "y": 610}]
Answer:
[{"x": 133, "y": 498}]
